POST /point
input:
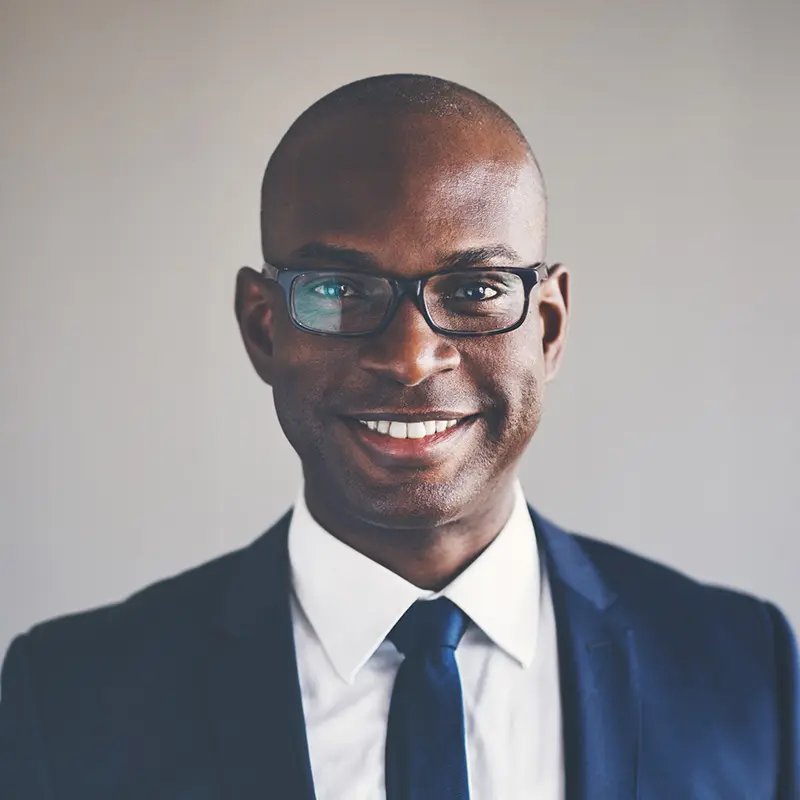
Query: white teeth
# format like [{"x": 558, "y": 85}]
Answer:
[
  {"x": 416, "y": 430},
  {"x": 409, "y": 430},
  {"x": 398, "y": 430}
]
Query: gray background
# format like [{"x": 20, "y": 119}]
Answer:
[{"x": 136, "y": 440}]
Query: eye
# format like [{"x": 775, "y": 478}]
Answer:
[
  {"x": 335, "y": 289},
  {"x": 475, "y": 291}
]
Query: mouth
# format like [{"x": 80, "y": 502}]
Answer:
[{"x": 413, "y": 440}]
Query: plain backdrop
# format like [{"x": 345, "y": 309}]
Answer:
[{"x": 135, "y": 438}]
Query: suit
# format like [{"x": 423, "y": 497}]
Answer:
[{"x": 189, "y": 689}]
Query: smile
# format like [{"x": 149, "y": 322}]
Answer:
[
  {"x": 408, "y": 440},
  {"x": 409, "y": 430}
]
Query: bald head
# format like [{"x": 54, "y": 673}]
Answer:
[{"x": 373, "y": 141}]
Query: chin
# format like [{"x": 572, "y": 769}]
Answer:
[{"x": 410, "y": 504}]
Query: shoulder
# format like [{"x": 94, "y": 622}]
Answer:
[
  {"x": 160, "y": 626},
  {"x": 669, "y": 607},
  {"x": 167, "y": 611},
  {"x": 645, "y": 583},
  {"x": 708, "y": 652}
]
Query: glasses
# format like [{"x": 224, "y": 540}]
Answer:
[{"x": 480, "y": 301}]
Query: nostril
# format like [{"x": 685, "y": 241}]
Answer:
[
  {"x": 408, "y": 351},
  {"x": 408, "y": 365}
]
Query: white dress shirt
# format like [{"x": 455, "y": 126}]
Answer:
[{"x": 343, "y": 607}]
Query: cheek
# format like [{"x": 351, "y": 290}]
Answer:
[
  {"x": 518, "y": 380},
  {"x": 298, "y": 377},
  {"x": 306, "y": 371},
  {"x": 302, "y": 360}
]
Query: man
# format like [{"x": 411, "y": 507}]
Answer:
[{"x": 411, "y": 630}]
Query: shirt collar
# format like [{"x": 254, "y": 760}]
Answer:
[{"x": 352, "y": 602}]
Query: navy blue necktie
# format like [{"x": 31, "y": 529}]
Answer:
[{"x": 426, "y": 755}]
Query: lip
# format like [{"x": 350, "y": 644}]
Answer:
[
  {"x": 387, "y": 451},
  {"x": 425, "y": 415}
]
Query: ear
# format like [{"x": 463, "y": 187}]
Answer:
[
  {"x": 254, "y": 306},
  {"x": 554, "y": 315}
]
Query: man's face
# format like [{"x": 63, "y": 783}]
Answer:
[{"x": 406, "y": 195}]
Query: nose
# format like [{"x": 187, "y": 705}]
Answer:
[{"x": 409, "y": 351}]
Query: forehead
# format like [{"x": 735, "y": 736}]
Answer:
[{"x": 407, "y": 188}]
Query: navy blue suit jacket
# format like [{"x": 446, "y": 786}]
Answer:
[{"x": 189, "y": 689}]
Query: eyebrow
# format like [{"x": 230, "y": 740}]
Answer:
[
  {"x": 478, "y": 256},
  {"x": 337, "y": 254},
  {"x": 360, "y": 259}
]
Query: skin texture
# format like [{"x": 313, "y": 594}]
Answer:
[{"x": 409, "y": 192}]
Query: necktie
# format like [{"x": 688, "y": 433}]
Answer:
[{"x": 425, "y": 747}]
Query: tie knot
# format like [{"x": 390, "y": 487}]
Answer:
[{"x": 429, "y": 624}]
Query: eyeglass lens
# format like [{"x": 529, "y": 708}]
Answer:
[{"x": 469, "y": 301}]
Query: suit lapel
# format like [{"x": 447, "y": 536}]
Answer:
[
  {"x": 255, "y": 700},
  {"x": 598, "y": 671}
]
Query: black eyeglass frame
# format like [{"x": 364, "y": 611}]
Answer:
[{"x": 413, "y": 288}]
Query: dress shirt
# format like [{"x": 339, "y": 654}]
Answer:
[{"x": 344, "y": 605}]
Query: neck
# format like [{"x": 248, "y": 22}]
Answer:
[{"x": 428, "y": 557}]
